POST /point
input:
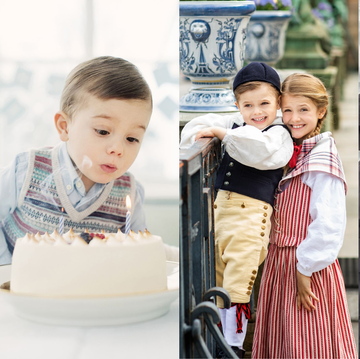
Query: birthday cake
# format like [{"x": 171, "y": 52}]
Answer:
[{"x": 88, "y": 265}]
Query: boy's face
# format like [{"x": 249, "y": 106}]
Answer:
[
  {"x": 104, "y": 137},
  {"x": 258, "y": 107}
]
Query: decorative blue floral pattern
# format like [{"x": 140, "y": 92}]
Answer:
[
  {"x": 266, "y": 37},
  {"x": 199, "y": 59},
  {"x": 212, "y": 50}
]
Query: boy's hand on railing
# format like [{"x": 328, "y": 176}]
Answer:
[
  {"x": 211, "y": 132},
  {"x": 304, "y": 292}
]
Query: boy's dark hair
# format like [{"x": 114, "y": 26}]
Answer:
[{"x": 105, "y": 77}]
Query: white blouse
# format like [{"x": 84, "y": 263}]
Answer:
[
  {"x": 325, "y": 234},
  {"x": 248, "y": 145}
]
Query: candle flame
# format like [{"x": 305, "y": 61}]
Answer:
[
  {"x": 62, "y": 209},
  {"x": 128, "y": 202}
]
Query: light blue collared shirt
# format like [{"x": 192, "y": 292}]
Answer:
[{"x": 12, "y": 179}]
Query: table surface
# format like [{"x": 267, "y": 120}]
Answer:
[{"x": 23, "y": 339}]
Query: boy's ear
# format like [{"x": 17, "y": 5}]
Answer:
[
  {"x": 61, "y": 124},
  {"x": 236, "y": 104}
]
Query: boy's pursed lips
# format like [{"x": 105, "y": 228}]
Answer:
[{"x": 109, "y": 168}]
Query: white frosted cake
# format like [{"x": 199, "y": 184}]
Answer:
[{"x": 88, "y": 265}]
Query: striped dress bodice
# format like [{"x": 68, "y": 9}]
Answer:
[{"x": 291, "y": 216}]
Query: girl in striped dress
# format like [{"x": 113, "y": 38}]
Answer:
[{"x": 302, "y": 309}]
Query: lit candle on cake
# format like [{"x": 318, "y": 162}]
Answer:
[
  {"x": 61, "y": 222},
  {"x": 128, "y": 215}
]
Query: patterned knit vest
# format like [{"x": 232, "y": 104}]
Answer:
[{"x": 43, "y": 195}]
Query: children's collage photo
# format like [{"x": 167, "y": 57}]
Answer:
[{"x": 179, "y": 179}]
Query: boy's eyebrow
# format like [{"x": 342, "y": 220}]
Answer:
[{"x": 111, "y": 118}]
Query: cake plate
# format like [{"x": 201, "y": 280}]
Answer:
[{"x": 101, "y": 311}]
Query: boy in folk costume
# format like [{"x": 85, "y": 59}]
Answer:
[{"x": 257, "y": 146}]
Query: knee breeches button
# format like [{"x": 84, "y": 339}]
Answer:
[
  {"x": 249, "y": 287},
  {"x": 252, "y": 278},
  {"x": 248, "y": 292},
  {"x": 243, "y": 205},
  {"x": 265, "y": 207},
  {"x": 251, "y": 283},
  {"x": 265, "y": 214},
  {"x": 215, "y": 206},
  {"x": 262, "y": 234},
  {"x": 254, "y": 271},
  {"x": 264, "y": 220},
  {"x": 263, "y": 227}
]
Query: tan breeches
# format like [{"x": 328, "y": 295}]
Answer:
[{"x": 242, "y": 229}]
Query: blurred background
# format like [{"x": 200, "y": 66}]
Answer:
[{"x": 42, "y": 41}]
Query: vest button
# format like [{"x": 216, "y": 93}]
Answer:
[
  {"x": 226, "y": 183},
  {"x": 228, "y": 174},
  {"x": 264, "y": 220},
  {"x": 231, "y": 164},
  {"x": 262, "y": 234}
]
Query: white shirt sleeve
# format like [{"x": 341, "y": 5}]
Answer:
[
  {"x": 190, "y": 130},
  {"x": 325, "y": 234},
  {"x": 138, "y": 222},
  {"x": 266, "y": 150},
  {"x": 11, "y": 181}
]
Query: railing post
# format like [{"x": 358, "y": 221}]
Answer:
[{"x": 199, "y": 315}]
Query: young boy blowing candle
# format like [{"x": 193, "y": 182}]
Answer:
[
  {"x": 257, "y": 146},
  {"x": 105, "y": 107}
]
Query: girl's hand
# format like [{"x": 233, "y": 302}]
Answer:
[
  {"x": 211, "y": 132},
  {"x": 304, "y": 292}
]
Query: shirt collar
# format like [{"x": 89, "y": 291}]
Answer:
[{"x": 69, "y": 175}]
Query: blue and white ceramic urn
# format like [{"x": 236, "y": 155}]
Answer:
[
  {"x": 212, "y": 51},
  {"x": 266, "y": 36}
]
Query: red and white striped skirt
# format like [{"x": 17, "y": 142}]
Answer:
[{"x": 284, "y": 331}]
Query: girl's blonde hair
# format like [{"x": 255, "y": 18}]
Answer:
[
  {"x": 309, "y": 86},
  {"x": 105, "y": 77}
]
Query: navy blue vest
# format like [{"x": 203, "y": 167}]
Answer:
[{"x": 235, "y": 177}]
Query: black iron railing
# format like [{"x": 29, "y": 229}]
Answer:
[{"x": 199, "y": 315}]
